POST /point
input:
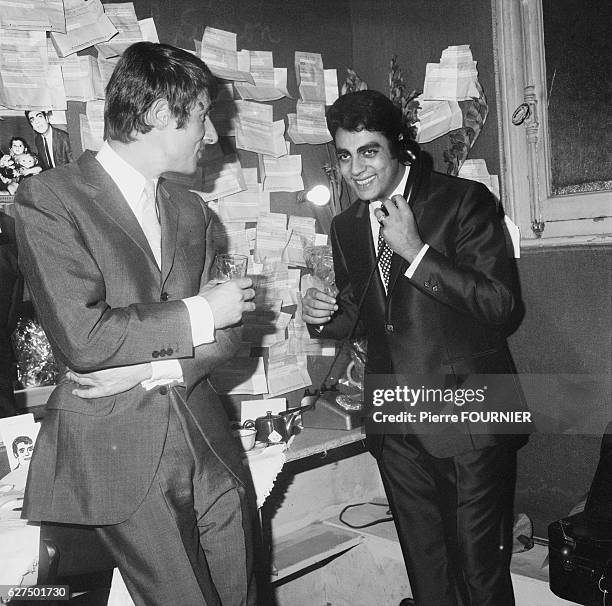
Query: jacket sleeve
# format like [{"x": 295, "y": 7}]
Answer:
[
  {"x": 476, "y": 279},
  {"x": 209, "y": 356},
  {"x": 68, "y": 290}
]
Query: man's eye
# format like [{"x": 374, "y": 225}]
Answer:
[
  {"x": 369, "y": 153},
  {"x": 343, "y": 157}
]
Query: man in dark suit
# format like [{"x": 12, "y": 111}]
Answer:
[
  {"x": 134, "y": 441},
  {"x": 433, "y": 313},
  {"x": 11, "y": 292},
  {"x": 52, "y": 144}
]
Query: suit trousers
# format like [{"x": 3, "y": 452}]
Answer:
[
  {"x": 189, "y": 540},
  {"x": 454, "y": 521}
]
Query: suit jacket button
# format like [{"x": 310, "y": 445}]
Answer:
[
  {"x": 389, "y": 327},
  {"x": 163, "y": 390},
  {"x": 155, "y": 353},
  {"x": 162, "y": 352},
  {"x": 434, "y": 288},
  {"x": 426, "y": 284},
  {"x": 164, "y": 296},
  {"x": 169, "y": 351}
]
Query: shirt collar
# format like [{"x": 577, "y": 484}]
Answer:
[
  {"x": 401, "y": 186},
  {"x": 129, "y": 181}
]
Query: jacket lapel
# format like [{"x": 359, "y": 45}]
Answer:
[
  {"x": 105, "y": 194},
  {"x": 168, "y": 213},
  {"x": 416, "y": 193}
]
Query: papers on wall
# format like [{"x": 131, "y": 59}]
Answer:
[
  {"x": 41, "y": 15},
  {"x": 218, "y": 51},
  {"x": 245, "y": 205},
  {"x": 308, "y": 125},
  {"x": 82, "y": 79},
  {"x": 257, "y": 132},
  {"x": 286, "y": 372},
  {"x": 270, "y": 82},
  {"x": 148, "y": 30},
  {"x": 300, "y": 341},
  {"x": 222, "y": 177},
  {"x": 331, "y": 86},
  {"x": 454, "y": 77},
  {"x": 271, "y": 237},
  {"x": 310, "y": 76},
  {"x": 92, "y": 125},
  {"x": 263, "y": 328},
  {"x": 301, "y": 234},
  {"x": 231, "y": 237},
  {"x": 27, "y": 81},
  {"x": 86, "y": 25},
  {"x": 240, "y": 375},
  {"x": 106, "y": 68},
  {"x": 282, "y": 174},
  {"x": 476, "y": 170},
  {"x": 436, "y": 118},
  {"x": 123, "y": 17}
]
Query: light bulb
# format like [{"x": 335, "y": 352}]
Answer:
[{"x": 319, "y": 195}]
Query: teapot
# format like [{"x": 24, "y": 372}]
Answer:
[{"x": 277, "y": 428}]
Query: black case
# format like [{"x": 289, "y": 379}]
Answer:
[
  {"x": 580, "y": 546},
  {"x": 580, "y": 560}
]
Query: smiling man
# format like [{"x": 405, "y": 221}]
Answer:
[
  {"x": 52, "y": 144},
  {"x": 134, "y": 441},
  {"x": 434, "y": 306}
]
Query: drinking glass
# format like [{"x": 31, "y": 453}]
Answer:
[{"x": 228, "y": 267}]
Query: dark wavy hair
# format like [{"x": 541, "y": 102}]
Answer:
[
  {"x": 145, "y": 73},
  {"x": 371, "y": 110}
]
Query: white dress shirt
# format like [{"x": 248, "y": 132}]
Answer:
[
  {"x": 375, "y": 226},
  {"x": 131, "y": 184}
]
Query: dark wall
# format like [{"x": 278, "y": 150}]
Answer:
[
  {"x": 417, "y": 32},
  {"x": 565, "y": 336}
]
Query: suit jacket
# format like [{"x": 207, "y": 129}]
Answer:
[
  {"x": 11, "y": 293},
  {"x": 448, "y": 319},
  {"x": 103, "y": 302},
  {"x": 62, "y": 154}
]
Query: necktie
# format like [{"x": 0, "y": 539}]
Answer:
[
  {"x": 385, "y": 259},
  {"x": 49, "y": 159},
  {"x": 150, "y": 220}
]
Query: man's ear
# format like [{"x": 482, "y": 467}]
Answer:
[{"x": 159, "y": 115}]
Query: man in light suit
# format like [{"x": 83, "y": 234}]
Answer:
[
  {"x": 435, "y": 313},
  {"x": 52, "y": 144},
  {"x": 134, "y": 441}
]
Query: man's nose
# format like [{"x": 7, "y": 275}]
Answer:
[
  {"x": 357, "y": 165},
  {"x": 210, "y": 132}
]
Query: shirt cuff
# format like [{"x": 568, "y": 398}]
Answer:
[
  {"x": 415, "y": 263},
  {"x": 164, "y": 372},
  {"x": 202, "y": 320}
]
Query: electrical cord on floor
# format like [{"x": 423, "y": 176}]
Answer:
[{"x": 379, "y": 521}]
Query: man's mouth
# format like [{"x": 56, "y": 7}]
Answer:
[{"x": 363, "y": 183}]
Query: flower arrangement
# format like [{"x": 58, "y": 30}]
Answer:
[
  {"x": 15, "y": 168},
  {"x": 352, "y": 82},
  {"x": 406, "y": 101}
]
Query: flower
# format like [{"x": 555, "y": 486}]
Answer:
[{"x": 406, "y": 101}]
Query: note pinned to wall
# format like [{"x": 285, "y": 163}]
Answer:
[{"x": 86, "y": 25}]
